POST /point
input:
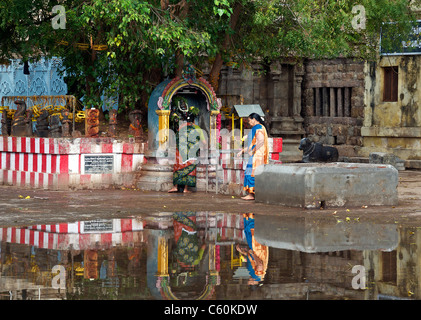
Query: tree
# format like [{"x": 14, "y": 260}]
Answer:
[{"x": 125, "y": 47}]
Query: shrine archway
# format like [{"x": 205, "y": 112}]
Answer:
[{"x": 197, "y": 91}]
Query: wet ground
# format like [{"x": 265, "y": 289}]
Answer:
[
  {"x": 26, "y": 206},
  {"x": 125, "y": 244}
]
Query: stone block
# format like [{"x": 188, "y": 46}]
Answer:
[
  {"x": 387, "y": 158},
  {"x": 317, "y": 185}
]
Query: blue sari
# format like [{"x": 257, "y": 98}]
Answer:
[{"x": 258, "y": 158}]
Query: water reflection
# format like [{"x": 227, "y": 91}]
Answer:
[{"x": 210, "y": 255}]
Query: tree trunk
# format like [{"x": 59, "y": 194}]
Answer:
[
  {"x": 182, "y": 8},
  {"x": 218, "y": 63}
]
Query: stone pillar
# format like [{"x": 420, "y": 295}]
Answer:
[
  {"x": 162, "y": 263},
  {"x": 298, "y": 80},
  {"x": 163, "y": 129},
  {"x": 286, "y": 120},
  {"x": 276, "y": 72},
  {"x": 213, "y": 139}
]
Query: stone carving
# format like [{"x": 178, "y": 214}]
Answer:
[
  {"x": 22, "y": 120},
  {"x": 316, "y": 152},
  {"x": 55, "y": 126},
  {"x": 65, "y": 123},
  {"x": 112, "y": 124},
  {"x": 4, "y": 123},
  {"x": 92, "y": 123},
  {"x": 135, "y": 128},
  {"x": 42, "y": 125}
]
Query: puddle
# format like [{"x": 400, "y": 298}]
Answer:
[{"x": 206, "y": 255}]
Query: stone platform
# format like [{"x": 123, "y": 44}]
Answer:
[{"x": 317, "y": 185}]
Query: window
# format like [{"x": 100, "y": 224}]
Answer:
[
  {"x": 389, "y": 266},
  {"x": 332, "y": 102},
  {"x": 390, "y": 84}
]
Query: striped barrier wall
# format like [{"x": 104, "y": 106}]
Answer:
[
  {"x": 117, "y": 225},
  {"x": 67, "y": 241},
  {"x": 227, "y": 227},
  {"x": 51, "y": 163},
  {"x": 64, "y": 236},
  {"x": 233, "y": 169}
]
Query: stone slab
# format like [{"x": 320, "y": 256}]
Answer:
[
  {"x": 387, "y": 158},
  {"x": 316, "y": 185}
]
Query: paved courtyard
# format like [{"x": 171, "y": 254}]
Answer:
[{"x": 34, "y": 206}]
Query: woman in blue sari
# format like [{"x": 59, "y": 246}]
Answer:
[{"x": 258, "y": 150}]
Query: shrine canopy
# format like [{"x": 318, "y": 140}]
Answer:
[{"x": 244, "y": 110}]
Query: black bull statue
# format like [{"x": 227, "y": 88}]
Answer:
[{"x": 316, "y": 152}]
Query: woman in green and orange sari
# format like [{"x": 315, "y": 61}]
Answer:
[{"x": 188, "y": 137}]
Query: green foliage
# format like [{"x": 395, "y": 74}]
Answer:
[
  {"x": 143, "y": 38},
  {"x": 319, "y": 29}
]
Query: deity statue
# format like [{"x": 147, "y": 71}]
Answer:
[
  {"x": 42, "y": 125},
  {"x": 65, "y": 123},
  {"x": 92, "y": 123},
  {"x": 135, "y": 128},
  {"x": 112, "y": 124},
  {"x": 22, "y": 120}
]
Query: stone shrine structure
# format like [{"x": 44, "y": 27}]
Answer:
[
  {"x": 157, "y": 173},
  {"x": 277, "y": 88},
  {"x": 333, "y": 103}
]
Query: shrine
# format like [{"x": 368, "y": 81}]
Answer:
[{"x": 198, "y": 93}]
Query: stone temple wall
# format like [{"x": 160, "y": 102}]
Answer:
[
  {"x": 394, "y": 125},
  {"x": 333, "y": 103},
  {"x": 319, "y": 99}
]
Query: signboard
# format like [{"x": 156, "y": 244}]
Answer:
[
  {"x": 98, "y": 163},
  {"x": 400, "y": 45},
  {"x": 244, "y": 110},
  {"x": 97, "y": 226}
]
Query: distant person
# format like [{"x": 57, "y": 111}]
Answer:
[{"x": 258, "y": 150}]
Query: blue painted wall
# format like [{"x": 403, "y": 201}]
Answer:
[{"x": 42, "y": 80}]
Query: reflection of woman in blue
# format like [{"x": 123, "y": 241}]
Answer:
[{"x": 257, "y": 255}]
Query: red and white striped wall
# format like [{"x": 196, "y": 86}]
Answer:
[
  {"x": 58, "y": 163},
  {"x": 71, "y": 235},
  {"x": 230, "y": 227},
  {"x": 233, "y": 169},
  {"x": 275, "y": 148},
  {"x": 118, "y": 225},
  {"x": 227, "y": 226}
]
